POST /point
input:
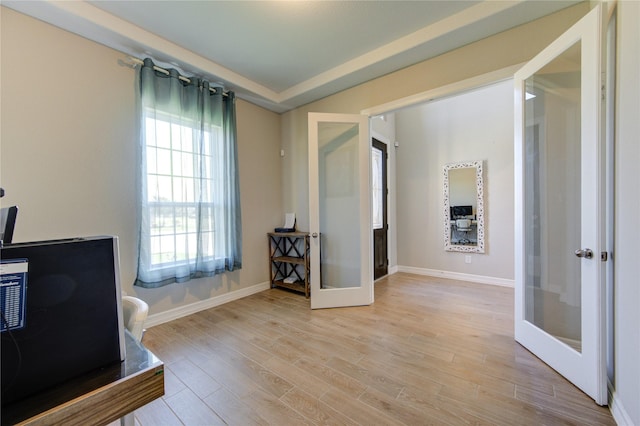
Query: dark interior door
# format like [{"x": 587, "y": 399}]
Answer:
[{"x": 379, "y": 214}]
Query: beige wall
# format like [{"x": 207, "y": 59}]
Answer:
[
  {"x": 473, "y": 126},
  {"x": 68, "y": 156}
]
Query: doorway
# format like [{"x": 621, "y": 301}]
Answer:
[{"x": 379, "y": 195}]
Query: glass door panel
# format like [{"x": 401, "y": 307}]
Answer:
[
  {"x": 340, "y": 210},
  {"x": 553, "y": 203},
  {"x": 339, "y": 205}
]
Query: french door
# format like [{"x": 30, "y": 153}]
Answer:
[
  {"x": 559, "y": 305},
  {"x": 339, "y": 210}
]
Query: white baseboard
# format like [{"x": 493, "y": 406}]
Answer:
[
  {"x": 617, "y": 410},
  {"x": 182, "y": 311},
  {"x": 503, "y": 282}
]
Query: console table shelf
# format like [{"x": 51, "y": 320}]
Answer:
[{"x": 289, "y": 260}]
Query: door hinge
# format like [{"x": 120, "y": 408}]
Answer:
[{"x": 604, "y": 256}]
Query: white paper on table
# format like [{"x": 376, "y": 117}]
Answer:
[{"x": 289, "y": 220}]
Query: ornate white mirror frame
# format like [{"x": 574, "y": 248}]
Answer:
[{"x": 469, "y": 223}]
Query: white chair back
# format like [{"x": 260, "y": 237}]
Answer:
[
  {"x": 135, "y": 313},
  {"x": 463, "y": 224}
]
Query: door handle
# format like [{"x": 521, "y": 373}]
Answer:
[
  {"x": 314, "y": 235},
  {"x": 586, "y": 253}
]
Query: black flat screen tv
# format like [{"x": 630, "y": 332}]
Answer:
[{"x": 61, "y": 312}]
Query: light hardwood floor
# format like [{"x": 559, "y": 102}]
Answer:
[{"x": 428, "y": 351}]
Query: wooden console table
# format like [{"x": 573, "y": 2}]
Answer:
[
  {"x": 95, "y": 398},
  {"x": 289, "y": 260}
]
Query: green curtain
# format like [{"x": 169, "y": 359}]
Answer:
[{"x": 189, "y": 197}]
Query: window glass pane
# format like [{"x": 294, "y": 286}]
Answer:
[
  {"x": 182, "y": 253},
  {"x": 151, "y": 160},
  {"x": 162, "y": 189},
  {"x": 187, "y": 139},
  {"x": 155, "y": 250},
  {"x": 204, "y": 191},
  {"x": 163, "y": 161},
  {"x": 162, "y": 136},
  {"x": 166, "y": 220},
  {"x": 152, "y": 188},
  {"x": 190, "y": 219},
  {"x": 176, "y": 136},
  {"x": 187, "y": 161},
  {"x": 206, "y": 166},
  {"x": 376, "y": 173},
  {"x": 206, "y": 146},
  {"x": 206, "y": 219},
  {"x": 189, "y": 186},
  {"x": 167, "y": 253},
  {"x": 155, "y": 222},
  {"x": 206, "y": 243},
  {"x": 193, "y": 243},
  {"x": 178, "y": 190},
  {"x": 174, "y": 163}
]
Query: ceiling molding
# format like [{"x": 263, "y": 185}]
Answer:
[
  {"x": 88, "y": 21},
  {"x": 471, "y": 23},
  {"x": 429, "y": 33},
  {"x": 445, "y": 91}
]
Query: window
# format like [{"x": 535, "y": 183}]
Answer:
[
  {"x": 175, "y": 218},
  {"x": 189, "y": 195}
]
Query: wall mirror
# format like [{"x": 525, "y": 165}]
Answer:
[{"x": 463, "y": 207}]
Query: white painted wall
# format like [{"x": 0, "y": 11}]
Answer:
[{"x": 472, "y": 126}]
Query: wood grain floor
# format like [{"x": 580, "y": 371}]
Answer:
[{"x": 428, "y": 351}]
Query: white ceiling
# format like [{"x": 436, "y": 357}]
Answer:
[{"x": 283, "y": 54}]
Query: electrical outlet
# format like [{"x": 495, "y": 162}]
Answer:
[{"x": 467, "y": 259}]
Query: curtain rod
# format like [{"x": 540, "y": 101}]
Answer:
[{"x": 164, "y": 71}]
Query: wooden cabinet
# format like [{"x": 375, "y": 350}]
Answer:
[{"x": 289, "y": 260}]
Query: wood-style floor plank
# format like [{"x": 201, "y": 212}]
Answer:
[{"x": 428, "y": 351}]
